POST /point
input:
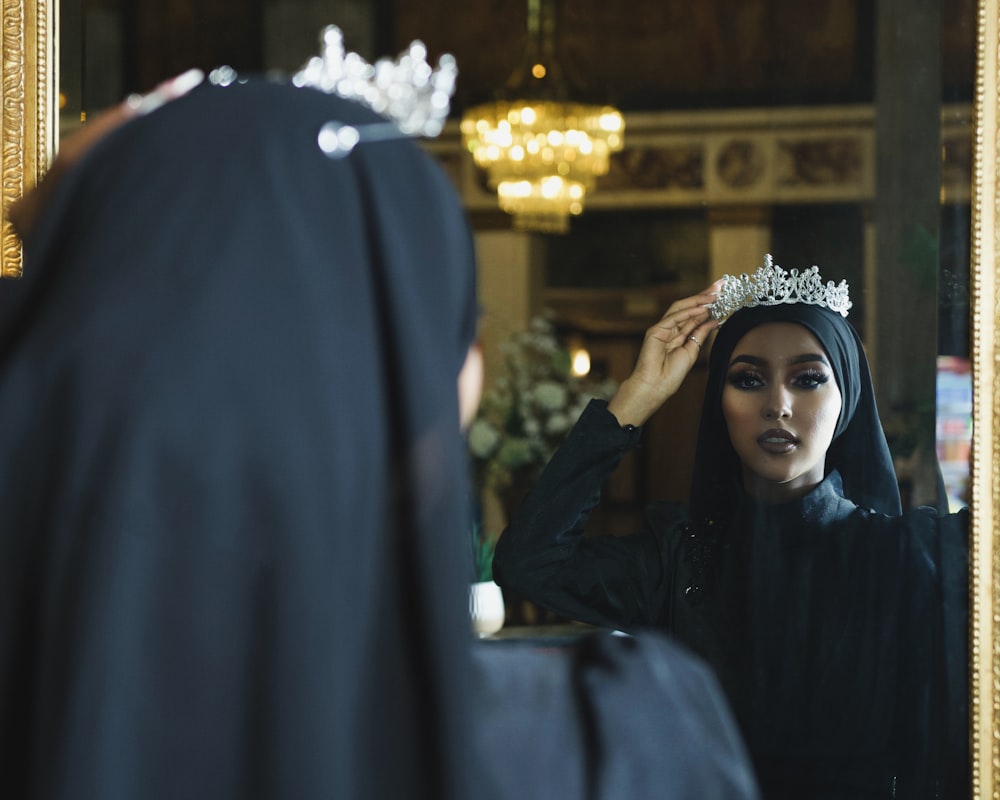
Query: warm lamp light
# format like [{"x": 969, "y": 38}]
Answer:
[
  {"x": 581, "y": 362},
  {"x": 541, "y": 152}
]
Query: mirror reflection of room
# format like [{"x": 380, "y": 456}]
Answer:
[{"x": 832, "y": 133}]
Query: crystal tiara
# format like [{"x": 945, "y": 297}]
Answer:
[
  {"x": 415, "y": 97},
  {"x": 770, "y": 285}
]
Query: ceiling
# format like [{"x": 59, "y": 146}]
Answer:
[
  {"x": 655, "y": 54},
  {"x": 641, "y": 55}
]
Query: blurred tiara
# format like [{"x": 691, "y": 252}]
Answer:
[
  {"x": 415, "y": 97},
  {"x": 770, "y": 285}
]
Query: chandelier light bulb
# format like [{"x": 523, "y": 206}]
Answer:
[{"x": 553, "y": 149}]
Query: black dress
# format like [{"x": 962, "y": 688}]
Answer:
[{"x": 838, "y": 634}]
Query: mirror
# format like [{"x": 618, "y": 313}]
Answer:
[{"x": 29, "y": 124}]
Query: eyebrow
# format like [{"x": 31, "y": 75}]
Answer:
[{"x": 756, "y": 361}]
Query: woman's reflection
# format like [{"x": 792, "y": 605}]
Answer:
[{"x": 836, "y": 624}]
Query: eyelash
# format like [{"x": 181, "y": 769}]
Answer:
[
  {"x": 746, "y": 380},
  {"x": 812, "y": 378},
  {"x": 749, "y": 380}
]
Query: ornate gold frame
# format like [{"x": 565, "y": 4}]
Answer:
[
  {"x": 985, "y": 555},
  {"x": 29, "y": 136},
  {"x": 28, "y": 81}
]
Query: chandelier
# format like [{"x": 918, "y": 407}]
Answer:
[{"x": 541, "y": 152}]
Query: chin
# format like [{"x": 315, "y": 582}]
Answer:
[{"x": 783, "y": 483}]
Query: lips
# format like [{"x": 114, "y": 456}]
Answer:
[{"x": 777, "y": 441}]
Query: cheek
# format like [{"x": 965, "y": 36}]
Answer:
[
  {"x": 727, "y": 408},
  {"x": 470, "y": 386},
  {"x": 828, "y": 413},
  {"x": 734, "y": 409}
]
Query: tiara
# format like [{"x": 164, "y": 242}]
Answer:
[
  {"x": 415, "y": 97},
  {"x": 770, "y": 285}
]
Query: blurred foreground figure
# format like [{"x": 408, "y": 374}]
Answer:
[
  {"x": 607, "y": 718},
  {"x": 232, "y": 464}
]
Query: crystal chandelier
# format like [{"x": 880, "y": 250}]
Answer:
[{"x": 541, "y": 152}]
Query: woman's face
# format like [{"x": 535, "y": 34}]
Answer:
[{"x": 781, "y": 404}]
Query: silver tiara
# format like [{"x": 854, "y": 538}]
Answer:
[
  {"x": 770, "y": 285},
  {"x": 415, "y": 97}
]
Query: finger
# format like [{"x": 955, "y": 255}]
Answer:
[
  {"x": 698, "y": 336},
  {"x": 695, "y": 304},
  {"x": 96, "y": 128},
  {"x": 168, "y": 90},
  {"x": 134, "y": 105},
  {"x": 24, "y": 212},
  {"x": 686, "y": 342},
  {"x": 703, "y": 298},
  {"x": 679, "y": 323}
]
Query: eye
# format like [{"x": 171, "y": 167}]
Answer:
[
  {"x": 745, "y": 379},
  {"x": 811, "y": 379}
]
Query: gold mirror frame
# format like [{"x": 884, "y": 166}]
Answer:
[
  {"x": 29, "y": 121},
  {"x": 29, "y": 130},
  {"x": 985, "y": 481}
]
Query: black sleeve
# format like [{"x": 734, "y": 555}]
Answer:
[
  {"x": 613, "y": 581},
  {"x": 606, "y": 718}
]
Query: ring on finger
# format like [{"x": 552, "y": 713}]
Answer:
[{"x": 693, "y": 339}]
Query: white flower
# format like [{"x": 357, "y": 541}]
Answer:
[
  {"x": 515, "y": 452},
  {"x": 531, "y": 407},
  {"x": 483, "y": 438},
  {"x": 550, "y": 395},
  {"x": 558, "y": 423}
]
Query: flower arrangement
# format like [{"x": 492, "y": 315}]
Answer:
[{"x": 523, "y": 419}]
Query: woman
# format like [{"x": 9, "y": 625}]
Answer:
[
  {"x": 836, "y": 624},
  {"x": 232, "y": 462}
]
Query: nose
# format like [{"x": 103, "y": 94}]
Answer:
[{"x": 777, "y": 404}]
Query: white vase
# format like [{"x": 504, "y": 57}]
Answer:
[{"x": 486, "y": 608}]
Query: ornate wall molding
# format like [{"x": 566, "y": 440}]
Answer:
[{"x": 739, "y": 157}]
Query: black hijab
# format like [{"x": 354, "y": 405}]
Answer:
[
  {"x": 859, "y": 451},
  {"x": 231, "y": 544}
]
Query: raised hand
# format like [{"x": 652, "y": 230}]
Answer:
[
  {"x": 25, "y": 211},
  {"x": 669, "y": 350}
]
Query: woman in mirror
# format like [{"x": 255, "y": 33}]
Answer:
[{"x": 836, "y": 624}]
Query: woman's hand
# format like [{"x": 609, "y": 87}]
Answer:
[
  {"x": 25, "y": 211},
  {"x": 668, "y": 352}
]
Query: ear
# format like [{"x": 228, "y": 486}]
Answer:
[{"x": 470, "y": 385}]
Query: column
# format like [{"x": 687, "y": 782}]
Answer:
[
  {"x": 907, "y": 215},
  {"x": 511, "y": 285},
  {"x": 739, "y": 237},
  {"x": 511, "y": 267}
]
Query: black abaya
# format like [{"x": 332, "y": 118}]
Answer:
[{"x": 231, "y": 562}]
